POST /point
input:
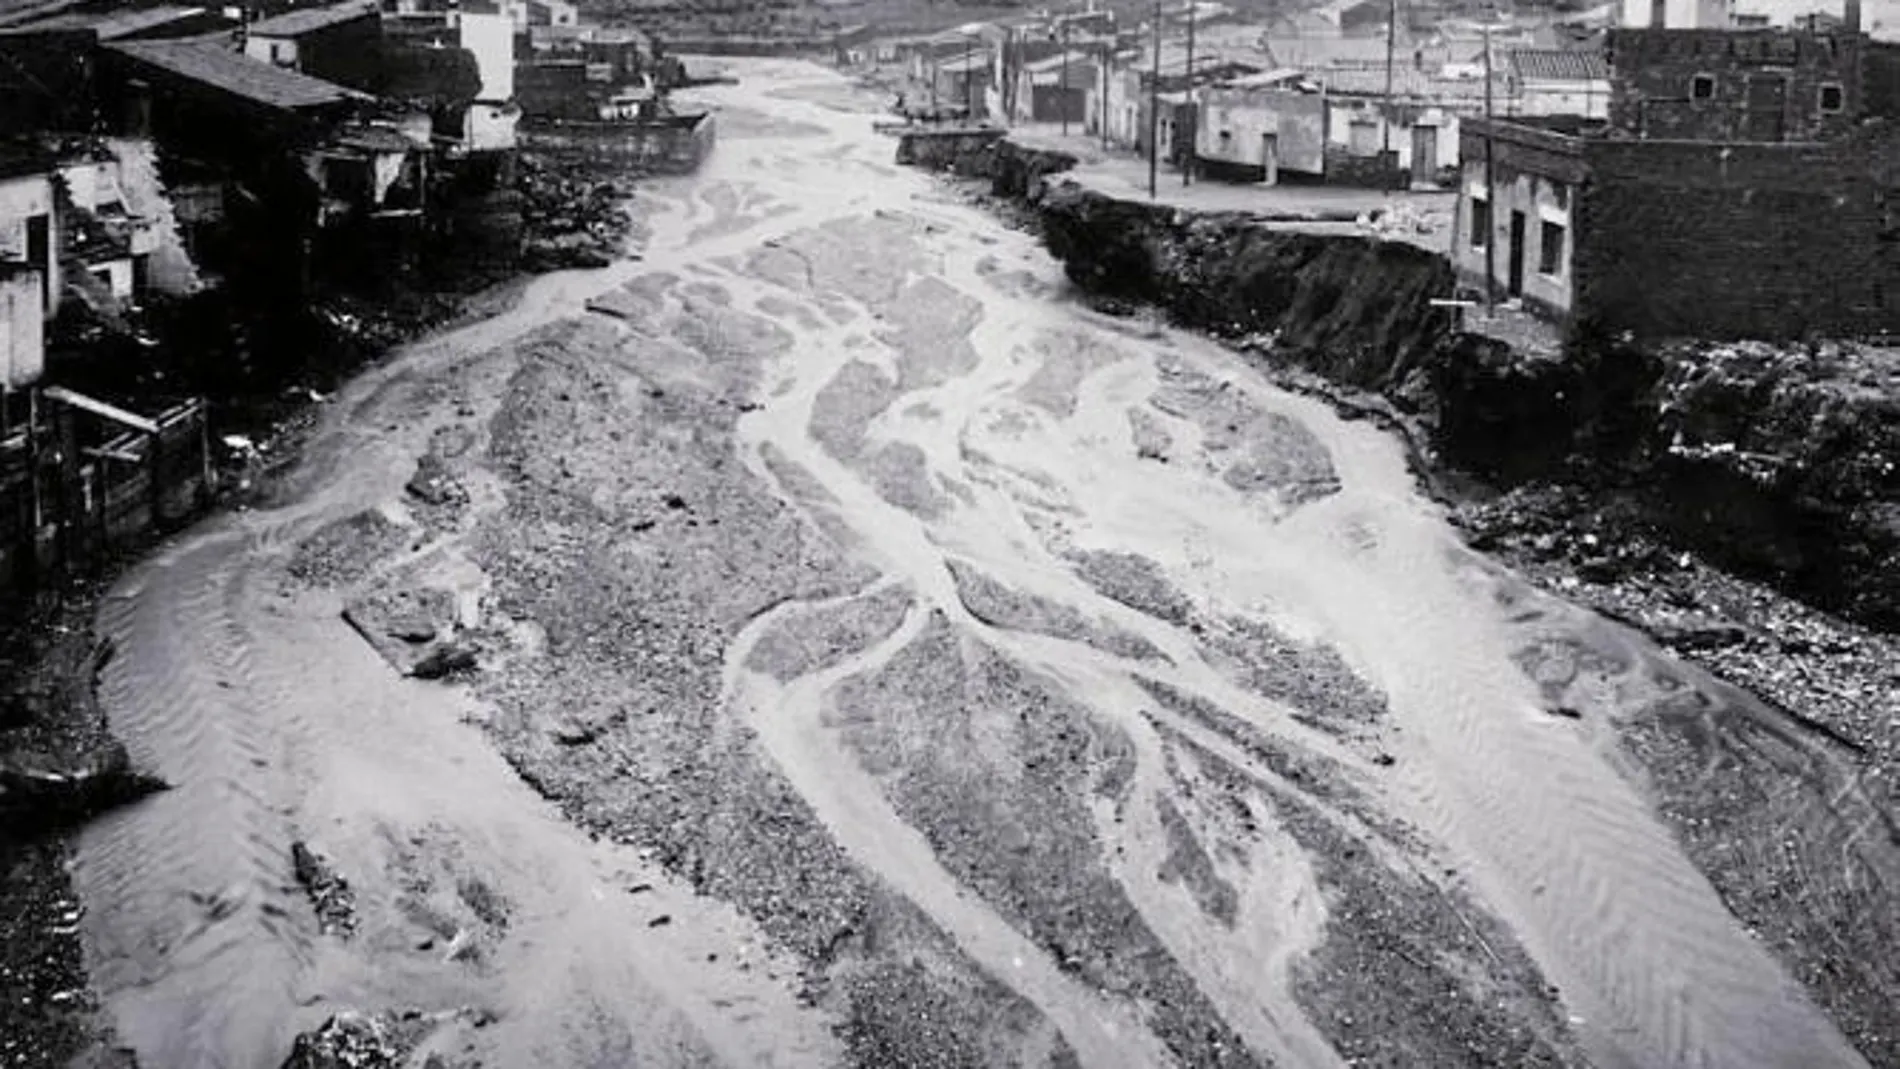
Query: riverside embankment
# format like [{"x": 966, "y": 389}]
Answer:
[
  {"x": 857, "y": 652},
  {"x": 1773, "y": 462},
  {"x": 1627, "y": 471}
]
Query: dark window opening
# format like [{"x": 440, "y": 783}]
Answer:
[
  {"x": 1480, "y": 222},
  {"x": 1702, "y": 87},
  {"x": 1832, "y": 98},
  {"x": 1550, "y": 249}
]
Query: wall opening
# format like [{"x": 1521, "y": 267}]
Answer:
[
  {"x": 1480, "y": 221},
  {"x": 1702, "y": 87},
  {"x": 1550, "y": 249}
]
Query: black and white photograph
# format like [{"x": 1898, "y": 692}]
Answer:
[{"x": 949, "y": 534}]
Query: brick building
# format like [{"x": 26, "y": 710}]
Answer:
[{"x": 1747, "y": 183}]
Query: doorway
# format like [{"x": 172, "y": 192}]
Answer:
[
  {"x": 1517, "y": 254},
  {"x": 39, "y": 252},
  {"x": 1424, "y": 155},
  {"x": 1767, "y": 107}
]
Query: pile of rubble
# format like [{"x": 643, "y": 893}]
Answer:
[
  {"x": 573, "y": 213},
  {"x": 329, "y": 892},
  {"x": 1835, "y": 676}
]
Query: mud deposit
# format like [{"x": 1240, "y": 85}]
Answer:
[{"x": 850, "y": 655}]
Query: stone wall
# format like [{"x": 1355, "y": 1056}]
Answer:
[
  {"x": 968, "y": 152},
  {"x": 1732, "y": 241},
  {"x": 1653, "y": 92}
]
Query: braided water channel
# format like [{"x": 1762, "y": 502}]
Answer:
[{"x": 1293, "y": 693}]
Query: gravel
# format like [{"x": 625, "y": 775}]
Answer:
[
  {"x": 947, "y": 712},
  {"x": 1408, "y": 970},
  {"x": 816, "y": 639},
  {"x": 1133, "y": 580},
  {"x": 1002, "y": 606},
  {"x": 1312, "y": 680}
]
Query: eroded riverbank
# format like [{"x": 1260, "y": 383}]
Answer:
[{"x": 875, "y": 661}]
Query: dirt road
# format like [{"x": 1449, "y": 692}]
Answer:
[{"x": 882, "y": 660}]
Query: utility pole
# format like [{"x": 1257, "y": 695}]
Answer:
[
  {"x": 1490, "y": 188},
  {"x": 1385, "y": 121},
  {"x": 1187, "y": 165},
  {"x": 1154, "y": 107},
  {"x": 1062, "y": 95},
  {"x": 969, "y": 79}
]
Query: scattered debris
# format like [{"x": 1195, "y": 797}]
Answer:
[
  {"x": 447, "y": 658},
  {"x": 434, "y": 484},
  {"x": 329, "y": 892}
]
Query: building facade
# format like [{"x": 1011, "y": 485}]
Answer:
[{"x": 1733, "y": 212}]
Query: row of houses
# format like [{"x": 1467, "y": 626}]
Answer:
[
  {"x": 1241, "y": 114},
  {"x": 150, "y": 152}
]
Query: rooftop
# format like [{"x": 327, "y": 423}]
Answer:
[
  {"x": 1558, "y": 64},
  {"x": 1057, "y": 62},
  {"x": 109, "y": 25},
  {"x": 309, "y": 20},
  {"x": 1407, "y": 83},
  {"x": 217, "y": 66}
]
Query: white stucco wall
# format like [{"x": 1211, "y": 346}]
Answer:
[
  {"x": 492, "y": 39},
  {"x": 490, "y": 127},
  {"x": 1541, "y": 200},
  {"x": 1588, "y": 99},
  {"x": 281, "y": 51},
  {"x": 22, "y": 331},
  {"x": 1681, "y": 14},
  {"x": 20, "y": 199},
  {"x": 1296, "y": 120},
  {"x": 1444, "y": 124}
]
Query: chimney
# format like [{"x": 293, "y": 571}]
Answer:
[{"x": 1851, "y": 16}]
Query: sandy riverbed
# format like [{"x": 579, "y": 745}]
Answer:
[{"x": 882, "y": 661}]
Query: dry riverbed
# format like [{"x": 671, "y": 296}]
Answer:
[{"x": 814, "y": 645}]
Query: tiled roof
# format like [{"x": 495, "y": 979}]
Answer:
[
  {"x": 1407, "y": 83},
  {"x": 1559, "y": 65},
  {"x": 215, "y": 65},
  {"x": 308, "y": 20}
]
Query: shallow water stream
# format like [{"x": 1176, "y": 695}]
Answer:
[{"x": 1011, "y": 421}]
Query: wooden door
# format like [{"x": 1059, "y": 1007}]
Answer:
[
  {"x": 1517, "y": 254},
  {"x": 1424, "y": 154},
  {"x": 1767, "y": 107}
]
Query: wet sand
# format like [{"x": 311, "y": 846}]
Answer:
[{"x": 879, "y": 660}]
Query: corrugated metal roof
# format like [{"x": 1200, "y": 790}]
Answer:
[
  {"x": 216, "y": 65},
  {"x": 1559, "y": 65},
  {"x": 309, "y": 20}
]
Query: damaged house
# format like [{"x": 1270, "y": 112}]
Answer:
[
  {"x": 1745, "y": 184},
  {"x": 79, "y": 478}
]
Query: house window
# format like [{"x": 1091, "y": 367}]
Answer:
[
  {"x": 1480, "y": 221},
  {"x": 1702, "y": 87},
  {"x": 1832, "y": 98},
  {"x": 1550, "y": 249}
]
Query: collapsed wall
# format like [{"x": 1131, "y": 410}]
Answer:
[{"x": 1781, "y": 463}]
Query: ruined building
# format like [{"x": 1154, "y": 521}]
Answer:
[{"x": 1743, "y": 185}]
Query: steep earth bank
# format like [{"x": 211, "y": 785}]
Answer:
[
  {"x": 1772, "y": 462},
  {"x": 1621, "y": 464}
]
